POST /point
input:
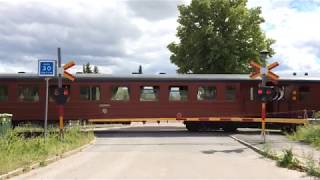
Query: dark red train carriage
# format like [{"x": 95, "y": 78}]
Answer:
[{"x": 223, "y": 101}]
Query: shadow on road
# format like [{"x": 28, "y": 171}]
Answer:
[
  {"x": 238, "y": 150},
  {"x": 156, "y": 132},
  {"x": 171, "y": 131}
]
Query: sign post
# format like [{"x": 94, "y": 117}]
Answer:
[
  {"x": 264, "y": 72},
  {"x": 47, "y": 69},
  {"x": 46, "y": 111}
]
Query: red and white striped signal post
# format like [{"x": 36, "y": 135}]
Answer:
[
  {"x": 264, "y": 72},
  {"x": 62, "y": 94}
]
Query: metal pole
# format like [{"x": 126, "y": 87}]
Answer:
[
  {"x": 263, "y": 121},
  {"x": 59, "y": 66},
  {"x": 264, "y": 71},
  {"x": 61, "y": 110},
  {"x": 46, "y": 110}
]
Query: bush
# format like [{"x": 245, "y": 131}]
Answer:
[{"x": 17, "y": 151}]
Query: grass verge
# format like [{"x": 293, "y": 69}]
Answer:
[
  {"x": 309, "y": 134},
  {"x": 18, "y": 151}
]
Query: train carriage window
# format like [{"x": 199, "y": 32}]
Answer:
[
  {"x": 28, "y": 93},
  {"x": 90, "y": 93},
  {"x": 120, "y": 93},
  {"x": 207, "y": 93},
  {"x": 149, "y": 93},
  {"x": 178, "y": 93},
  {"x": 304, "y": 92},
  {"x": 3, "y": 93},
  {"x": 230, "y": 93}
]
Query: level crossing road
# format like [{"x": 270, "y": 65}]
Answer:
[{"x": 163, "y": 152}]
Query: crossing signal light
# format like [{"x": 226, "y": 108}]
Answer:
[
  {"x": 65, "y": 92},
  {"x": 61, "y": 95},
  {"x": 266, "y": 93}
]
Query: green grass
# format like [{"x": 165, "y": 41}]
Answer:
[
  {"x": 309, "y": 134},
  {"x": 288, "y": 160},
  {"x": 17, "y": 151}
]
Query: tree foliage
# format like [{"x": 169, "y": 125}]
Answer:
[
  {"x": 86, "y": 68},
  {"x": 218, "y": 36},
  {"x": 95, "y": 70}
]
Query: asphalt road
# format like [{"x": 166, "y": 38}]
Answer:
[{"x": 162, "y": 152}]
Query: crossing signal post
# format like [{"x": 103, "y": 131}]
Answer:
[
  {"x": 265, "y": 93},
  {"x": 61, "y": 94}
]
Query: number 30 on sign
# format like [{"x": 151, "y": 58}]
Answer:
[{"x": 47, "y": 68}]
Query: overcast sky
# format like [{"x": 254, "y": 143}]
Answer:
[{"x": 120, "y": 35}]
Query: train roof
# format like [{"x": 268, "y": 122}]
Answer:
[{"x": 164, "y": 77}]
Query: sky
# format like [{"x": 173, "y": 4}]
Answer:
[{"x": 119, "y": 35}]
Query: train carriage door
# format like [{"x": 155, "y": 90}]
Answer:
[
  {"x": 301, "y": 98},
  {"x": 250, "y": 102}
]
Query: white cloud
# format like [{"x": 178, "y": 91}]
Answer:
[
  {"x": 118, "y": 36},
  {"x": 296, "y": 32}
]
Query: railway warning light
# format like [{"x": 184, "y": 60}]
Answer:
[
  {"x": 61, "y": 96},
  {"x": 65, "y": 92},
  {"x": 266, "y": 93}
]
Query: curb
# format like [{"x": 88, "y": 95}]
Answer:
[
  {"x": 301, "y": 167},
  {"x": 50, "y": 160},
  {"x": 106, "y": 128},
  {"x": 254, "y": 148}
]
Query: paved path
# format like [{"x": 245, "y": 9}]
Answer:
[
  {"x": 277, "y": 142},
  {"x": 164, "y": 153}
]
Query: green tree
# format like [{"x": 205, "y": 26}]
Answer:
[
  {"x": 218, "y": 36},
  {"x": 95, "y": 70},
  {"x": 87, "y": 68}
]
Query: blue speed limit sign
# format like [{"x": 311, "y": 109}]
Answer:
[{"x": 46, "y": 68}]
